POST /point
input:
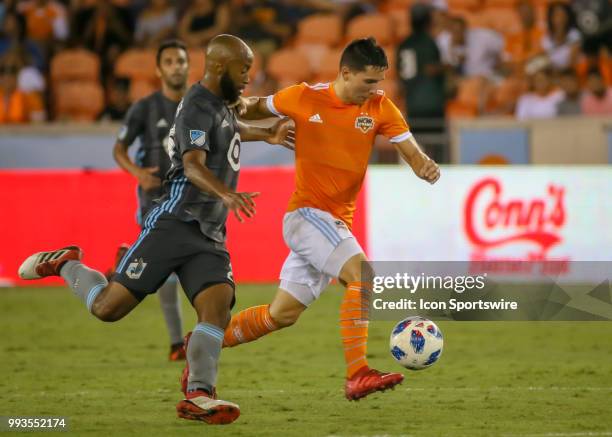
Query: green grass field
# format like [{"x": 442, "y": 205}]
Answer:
[{"x": 510, "y": 379}]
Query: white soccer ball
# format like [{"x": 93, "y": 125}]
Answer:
[{"x": 416, "y": 343}]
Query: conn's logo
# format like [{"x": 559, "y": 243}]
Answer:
[
  {"x": 493, "y": 219},
  {"x": 364, "y": 123}
]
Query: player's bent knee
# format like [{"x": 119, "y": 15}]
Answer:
[
  {"x": 106, "y": 313},
  {"x": 285, "y": 318}
]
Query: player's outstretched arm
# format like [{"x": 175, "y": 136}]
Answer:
[
  {"x": 201, "y": 177},
  {"x": 281, "y": 132},
  {"x": 145, "y": 175},
  {"x": 422, "y": 165},
  {"x": 252, "y": 108}
]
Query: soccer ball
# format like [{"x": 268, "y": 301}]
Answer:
[{"x": 416, "y": 343}]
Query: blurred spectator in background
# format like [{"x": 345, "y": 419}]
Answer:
[
  {"x": 452, "y": 45},
  {"x": 570, "y": 105},
  {"x": 473, "y": 51},
  {"x": 13, "y": 36},
  {"x": 17, "y": 104},
  {"x": 118, "y": 98},
  {"x": 264, "y": 25},
  {"x": 597, "y": 100},
  {"x": 420, "y": 69},
  {"x": 156, "y": 23},
  {"x": 526, "y": 43},
  {"x": 104, "y": 28},
  {"x": 46, "y": 20},
  {"x": 562, "y": 40},
  {"x": 542, "y": 100},
  {"x": 203, "y": 20},
  {"x": 594, "y": 19}
]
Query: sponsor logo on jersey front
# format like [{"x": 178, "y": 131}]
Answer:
[
  {"x": 198, "y": 137},
  {"x": 364, "y": 123},
  {"x": 162, "y": 123},
  {"x": 135, "y": 268}
]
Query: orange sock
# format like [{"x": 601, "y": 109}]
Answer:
[
  {"x": 249, "y": 325},
  {"x": 354, "y": 326}
]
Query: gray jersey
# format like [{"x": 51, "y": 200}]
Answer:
[
  {"x": 203, "y": 122},
  {"x": 149, "y": 120}
]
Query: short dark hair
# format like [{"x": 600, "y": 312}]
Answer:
[
  {"x": 170, "y": 44},
  {"x": 363, "y": 52}
]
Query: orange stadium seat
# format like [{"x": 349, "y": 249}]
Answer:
[
  {"x": 508, "y": 4},
  {"x": 503, "y": 97},
  {"x": 289, "y": 66},
  {"x": 79, "y": 101},
  {"x": 503, "y": 20},
  {"x": 77, "y": 64},
  {"x": 141, "y": 88},
  {"x": 377, "y": 25},
  {"x": 197, "y": 61},
  {"x": 315, "y": 54},
  {"x": 464, "y": 5},
  {"x": 136, "y": 64},
  {"x": 323, "y": 29},
  {"x": 400, "y": 20},
  {"x": 329, "y": 66},
  {"x": 470, "y": 95}
]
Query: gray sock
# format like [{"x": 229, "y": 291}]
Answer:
[
  {"x": 170, "y": 303},
  {"x": 202, "y": 355},
  {"x": 85, "y": 282}
]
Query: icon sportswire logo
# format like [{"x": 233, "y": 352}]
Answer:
[{"x": 493, "y": 219}]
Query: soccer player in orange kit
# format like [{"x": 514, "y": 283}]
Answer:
[{"x": 335, "y": 127}]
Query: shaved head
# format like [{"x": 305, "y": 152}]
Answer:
[
  {"x": 226, "y": 48},
  {"x": 228, "y": 60}
]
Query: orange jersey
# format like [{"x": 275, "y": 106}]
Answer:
[{"x": 333, "y": 144}]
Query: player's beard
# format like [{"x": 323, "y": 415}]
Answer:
[
  {"x": 229, "y": 90},
  {"x": 176, "y": 84}
]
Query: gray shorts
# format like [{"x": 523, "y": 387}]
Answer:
[{"x": 172, "y": 245}]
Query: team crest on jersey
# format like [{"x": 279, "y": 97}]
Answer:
[
  {"x": 364, "y": 123},
  {"x": 135, "y": 269},
  {"x": 198, "y": 137}
]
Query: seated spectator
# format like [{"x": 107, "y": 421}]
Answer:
[
  {"x": 203, "y": 20},
  {"x": 13, "y": 37},
  {"x": 118, "y": 100},
  {"x": 104, "y": 28},
  {"x": 476, "y": 52},
  {"x": 521, "y": 46},
  {"x": 542, "y": 101},
  {"x": 570, "y": 105},
  {"x": 562, "y": 40},
  {"x": 45, "y": 19},
  {"x": 17, "y": 105},
  {"x": 156, "y": 23},
  {"x": 597, "y": 100},
  {"x": 452, "y": 44},
  {"x": 264, "y": 25}
]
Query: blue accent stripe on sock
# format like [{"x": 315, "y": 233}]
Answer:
[
  {"x": 93, "y": 293},
  {"x": 210, "y": 330},
  {"x": 321, "y": 225}
]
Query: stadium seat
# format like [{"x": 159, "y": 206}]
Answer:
[
  {"x": 77, "y": 64},
  {"x": 329, "y": 66},
  {"x": 289, "y": 66},
  {"x": 503, "y": 97},
  {"x": 315, "y": 54},
  {"x": 136, "y": 64},
  {"x": 78, "y": 101},
  {"x": 325, "y": 29},
  {"x": 470, "y": 97},
  {"x": 141, "y": 88},
  {"x": 400, "y": 21},
  {"x": 508, "y": 4},
  {"x": 197, "y": 62},
  {"x": 377, "y": 25},
  {"x": 456, "y": 6},
  {"x": 503, "y": 20}
]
